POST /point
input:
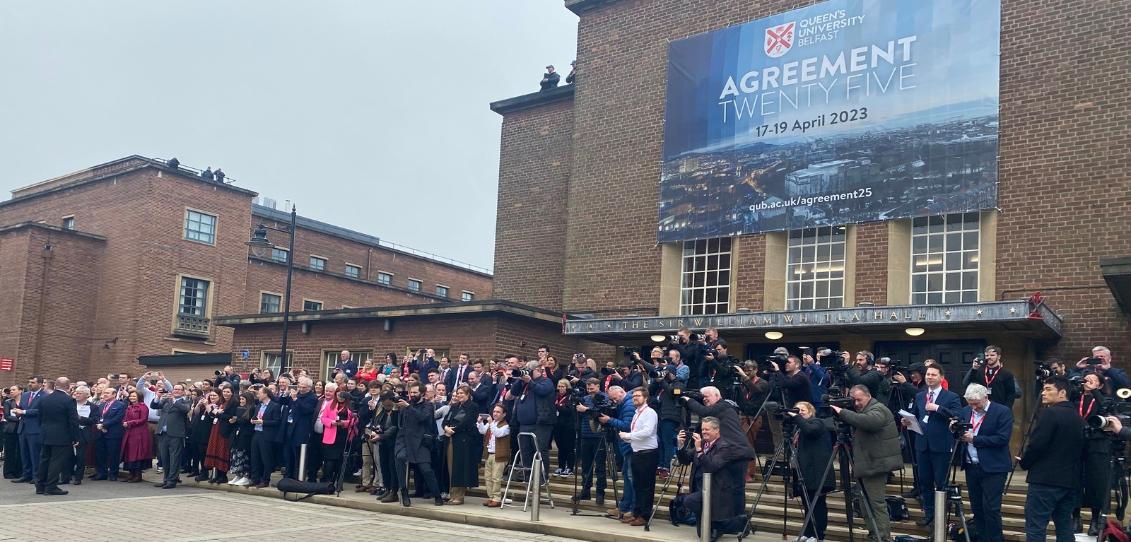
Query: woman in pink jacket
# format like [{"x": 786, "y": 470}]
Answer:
[{"x": 336, "y": 418}]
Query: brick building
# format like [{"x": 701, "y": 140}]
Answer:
[
  {"x": 134, "y": 258},
  {"x": 584, "y": 159}
]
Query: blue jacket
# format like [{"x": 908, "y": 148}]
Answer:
[
  {"x": 818, "y": 380},
  {"x": 534, "y": 404},
  {"x": 29, "y": 422},
  {"x": 992, "y": 440},
  {"x": 936, "y": 432},
  {"x": 112, "y": 420},
  {"x": 623, "y": 422}
]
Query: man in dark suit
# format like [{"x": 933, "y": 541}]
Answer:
[
  {"x": 727, "y": 464},
  {"x": 59, "y": 423},
  {"x": 933, "y": 407},
  {"x": 346, "y": 365},
  {"x": 458, "y": 375},
  {"x": 301, "y": 405},
  {"x": 985, "y": 457},
  {"x": 995, "y": 377},
  {"x": 172, "y": 425},
  {"x": 482, "y": 392},
  {"x": 30, "y": 438},
  {"x": 1054, "y": 459},
  {"x": 108, "y": 447},
  {"x": 267, "y": 421},
  {"x": 413, "y": 443}
]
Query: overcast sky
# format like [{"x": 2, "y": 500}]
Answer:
[{"x": 369, "y": 114}]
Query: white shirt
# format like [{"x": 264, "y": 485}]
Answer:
[
  {"x": 642, "y": 434},
  {"x": 496, "y": 432}
]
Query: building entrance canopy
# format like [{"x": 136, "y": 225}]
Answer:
[{"x": 1024, "y": 318}]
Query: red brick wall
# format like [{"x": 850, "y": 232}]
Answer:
[
  {"x": 530, "y": 237},
  {"x": 871, "y": 263},
  {"x": 1065, "y": 164},
  {"x": 46, "y": 306},
  {"x": 750, "y": 274},
  {"x": 332, "y": 291},
  {"x": 339, "y": 251}
]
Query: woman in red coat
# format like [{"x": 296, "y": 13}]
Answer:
[{"x": 137, "y": 444}]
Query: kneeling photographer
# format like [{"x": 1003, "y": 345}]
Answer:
[
  {"x": 712, "y": 453},
  {"x": 876, "y": 452},
  {"x": 814, "y": 450}
]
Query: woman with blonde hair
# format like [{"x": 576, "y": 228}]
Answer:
[{"x": 814, "y": 448}]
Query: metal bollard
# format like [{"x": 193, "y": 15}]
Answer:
[
  {"x": 536, "y": 481},
  {"x": 705, "y": 513},
  {"x": 940, "y": 516},
  {"x": 301, "y": 463}
]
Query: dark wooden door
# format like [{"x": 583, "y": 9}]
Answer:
[{"x": 954, "y": 356}]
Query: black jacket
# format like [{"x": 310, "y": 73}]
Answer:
[
  {"x": 727, "y": 413},
  {"x": 272, "y": 421},
  {"x": 1003, "y": 387},
  {"x": 11, "y": 421},
  {"x": 878, "y": 384},
  {"x": 1054, "y": 454},
  {"x": 794, "y": 388},
  {"x": 814, "y": 448},
  {"x": 58, "y": 419},
  {"x": 727, "y": 465},
  {"x": 413, "y": 432}
]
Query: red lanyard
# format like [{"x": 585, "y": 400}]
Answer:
[
  {"x": 990, "y": 379},
  {"x": 1090, "y": 407},
  {"x": 975, "y": 424}
]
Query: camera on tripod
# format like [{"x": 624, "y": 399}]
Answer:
[
  {"x": 1119, "y": 409},
  {"x": 831, "y": 399},
  {"x": 960, "y": 428}
]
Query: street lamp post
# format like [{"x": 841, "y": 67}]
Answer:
[{"x": 260, "y": 245}]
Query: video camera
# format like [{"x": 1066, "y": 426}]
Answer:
[
  {"x": 1120, "y": 409},
  {"x": 960, "y": 428}
]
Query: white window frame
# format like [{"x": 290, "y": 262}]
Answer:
[
  {"x": 69, "y": 222},
  {"x": 356, "y": 274},
  {"x": 330, "y": 359},
  {"x": 419, "y": 285},
  {"x": 466, "y": 296},
  {"x": 322, "y": 259},
  {"x": 384, "y": 274},
  {"x": 814, "y": 272},
  {"x": 188, "y": 220},
  {"x": 284, "y": 251},
  {"x": 262, "y": 294},
  {"x": 944, "y": 270},
  {"x": 447, "y": 291},
  {"x": 321, "y": 305},
  {"x": 702, "y": 297},
  {"x": 207, "y": 298},
  {"x": 269, "y": 359}
]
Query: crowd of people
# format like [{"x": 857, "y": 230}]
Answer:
[{"x": 686, "y": 406}]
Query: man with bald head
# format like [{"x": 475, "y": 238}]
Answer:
[{"x": 59, "y": 427}]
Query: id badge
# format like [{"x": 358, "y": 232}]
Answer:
[{"x": 215, "y": 421}]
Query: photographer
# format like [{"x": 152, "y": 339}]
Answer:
[
  {"x": 902, "y": 388},
  {"x": 667, "y": 390},
  {"x": 622, "y": 422},
  {"x": 726, "y": 462},
  {"x": 864, "y": 372},
  {"x": 755, "y": 391},
  {"x": 691, "y": 351},
  {"x": 1101, "y": 363},
  {"x": 818, "y": 376},
  {"x": 814, "y": 449},
  {"x": 382, "y": 434},
  {"x": 933, "y": 407},
  {"x": 1097, "y": 453},
  {"x": 227, "y": 375},
  {"x": 593, "y": 455},
  {"x": 581, "y": 372},
  {"x": 414, "y": 443},
  {"x": 793, "y": 384},
  {"x": 1053, "y": 458},
  {"x": 985, "y": 458},
  {"x": 535, "y": 412},
  {"x": 877, "y": 454},
  {"x": 992, "y": 375}
]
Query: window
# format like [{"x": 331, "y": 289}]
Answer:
[
  {"x": 330, "y": 359},
  {"x": 466, "y": 296},
  {"x": 414, "y": 285},
  {"x": 815, "y": 269},
  {"x": 279, "y": 254},
  {"x": 200, "y": 227},
  {"x": 317, "y": 264},
  {"x": 68, "y": 223},
  {"x": 705, "y": 277},
  {"x": 311, "y": 305},
  {"x": 194, "y": 297},
  {"x": 384, "y": 278},
  {"x": 273, "y": 361},
  {"x": 944, "y": 259},
  {"x": 442, "y": 291},
  {"x": 269, "y": 303},
  {"x": 353, "y": 271}
]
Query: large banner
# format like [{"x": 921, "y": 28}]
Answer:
[{"x": 845, "y": 111}]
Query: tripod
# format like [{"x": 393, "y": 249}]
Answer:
[
  {"x": 676, "y": 470},
  {"x": 842, "y": 452},
  {"x": 345, "y": 458},
  {"x": 1025, "y": 437},
  {"x": 786, "y": 451},
  {"x": 954, "y": 491},
  {"x": 610, "y": 461}
]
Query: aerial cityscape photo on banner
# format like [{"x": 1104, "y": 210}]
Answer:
[{"x": 842, "y": 112}]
